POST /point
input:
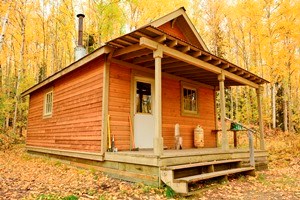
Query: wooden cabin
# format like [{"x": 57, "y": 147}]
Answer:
[{"x": 135, "y": 89}]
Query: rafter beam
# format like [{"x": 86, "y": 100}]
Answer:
[
  {"x": 185, "y": 71},
  {"x": 135, "y": 54},
  {"x": 161, "y": 38},
  {"x": 124, "y": 42},
  {"x": 184, "y": 49},
  {"x": 126, "y": 50},
  {"x": 233, "y": 69},
  {"x": 215, "y": 62},
  {"x": 206, "y": 58},
  {"x": 224, "y": 65},
  {"x": 194, "y": 61},
  {"x": 143, "y": 59},
  {"x": 172, "y": 43},
  {"x": 117, "y": 45},
  {"x": 173, "y": 22},
  {"x": 136, "y": 47},
  {"x": 240, "y": 72},
  {"x": 175, "y": 65},
  {"x": 196, "y": 54},
  {"x": 132, "y": 38}
]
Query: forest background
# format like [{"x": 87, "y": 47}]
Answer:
[{"x": 38, "y": 37}]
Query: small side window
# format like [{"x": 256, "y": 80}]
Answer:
[
  {"x": 189, "y": 100},
  {"x": 48, "y": 104}
]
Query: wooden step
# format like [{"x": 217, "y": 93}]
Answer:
[
  {"x": 205, "y": 176},
  {"x": 176, "y": 167}
]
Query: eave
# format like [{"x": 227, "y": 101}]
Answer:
[
  {"x": 181, "y": 58},
  {"x": 88, "y": 58}
]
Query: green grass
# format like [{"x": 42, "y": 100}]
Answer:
[{"x": 56, "y": 197}]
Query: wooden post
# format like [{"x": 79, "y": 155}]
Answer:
[
  {"x": 105, "y": 97},
  {"x": 261, "y": 125},
  {"x": 158, "y": 140},
  {"x": 216, "y": 111},
  {"x": 221, "y": 79},
  {"x": 216, "y": 116},
  {"x": 235, "y": 143},
  {"x": 251, "y": 148}
]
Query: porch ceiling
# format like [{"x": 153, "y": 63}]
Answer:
[{"x": 128, "y": 49}]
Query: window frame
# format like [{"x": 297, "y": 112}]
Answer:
[
  {"x": 184, "y": 112},
  {"x": 45, "y": 103}
]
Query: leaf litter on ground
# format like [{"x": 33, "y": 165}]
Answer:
[{"x": 24, "y": 176}]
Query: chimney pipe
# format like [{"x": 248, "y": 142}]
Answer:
[
  {"x": 79, "y": 49},
  {"x": 80, "y": 28}
]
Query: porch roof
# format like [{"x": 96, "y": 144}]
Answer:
[{"x": 205, "y": 67}]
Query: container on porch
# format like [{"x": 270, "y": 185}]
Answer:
[{"x": 198, "y": 137}]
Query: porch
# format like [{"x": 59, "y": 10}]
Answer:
[{"x": 172, "y": 157}]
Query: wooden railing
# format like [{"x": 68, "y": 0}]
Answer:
[{"x": 250, "y": 137}]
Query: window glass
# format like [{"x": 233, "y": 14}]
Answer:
[
  {"x": 143, "y": 97},
  {"x": 48, "y": 103},
  {"x": 190, "y": 99}
]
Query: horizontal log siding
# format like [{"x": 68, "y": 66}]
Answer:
[
  {"x": 174, "y": 31},
  {"x": 119, "y": 105},
  {"x": 171, "y": 109},
  {"x": 77, "y": 111},
  {"x": 119, "y": 110}
]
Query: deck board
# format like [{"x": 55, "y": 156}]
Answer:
[
  {"x": 201, "y": 164},
  {"x": 195, "y": 178}
]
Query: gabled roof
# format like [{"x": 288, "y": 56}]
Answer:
[
  {"x": 180, "y": 18},
  {"x": 188, "y": 58}
]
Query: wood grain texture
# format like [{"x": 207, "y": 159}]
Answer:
[
  {"x": 119, "y": 105},
  {"x": 119, "y": 110},
  {"x": 172, "y": 115},
  {"x": 77, "y": 107},
  {"x": 174, "y": 31}
]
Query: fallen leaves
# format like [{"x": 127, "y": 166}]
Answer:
[{"x": 23, "y": 176}]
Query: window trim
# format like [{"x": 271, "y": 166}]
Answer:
[
  {"x": 185, "y": 85},
  {"x": 47, "y": 114}
]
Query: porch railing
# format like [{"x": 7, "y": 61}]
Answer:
[{"x": 250, "y": 137}]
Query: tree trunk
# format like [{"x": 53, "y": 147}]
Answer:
[
  {"x": 273, "y": 106},
  {"x": 19, "y": 69},
  {"x": 285, "y": 115},
  {"x": 231, "y": 103}
]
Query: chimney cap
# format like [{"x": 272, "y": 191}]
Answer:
[{"x": 80, "y": 15}]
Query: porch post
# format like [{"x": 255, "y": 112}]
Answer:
[
  {"x": 261, "y": 125},
  {"x": 221, "y": 79},
  {"x": 158, "y": 140}
]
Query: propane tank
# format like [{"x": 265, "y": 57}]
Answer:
[{"x": 198, "y": 137}]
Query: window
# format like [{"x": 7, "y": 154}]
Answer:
[
  {"x": 48, "y": 103},
  {"x": 189, "y": 100},
  {"x": 143, "y": 98}
]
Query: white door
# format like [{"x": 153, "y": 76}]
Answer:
[{"x": 143, "y": 112}]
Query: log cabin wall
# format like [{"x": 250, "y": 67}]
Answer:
[
  {"x": 77, "y": 111},
  {"x": 171, "y": 108},
  {"x": 120, "y": 107}
]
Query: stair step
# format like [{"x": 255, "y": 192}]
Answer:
[
  {"x": 195, "y": 178},
  {"x": 200, "y": 164}
]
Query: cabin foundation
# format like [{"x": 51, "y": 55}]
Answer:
[{"x": 145, "y": 167}]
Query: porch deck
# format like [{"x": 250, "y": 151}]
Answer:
[{"x": 184, "y": 156}]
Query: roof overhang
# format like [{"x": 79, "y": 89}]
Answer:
[
  {"x": 180, "y": 58},
  {"x": 185, "y": 23},
  {"x": 88, "y": 58}
]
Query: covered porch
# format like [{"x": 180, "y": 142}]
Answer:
[{"x": 152, "y": 50}]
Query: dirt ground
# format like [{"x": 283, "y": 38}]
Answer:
[{"x": 23, "y": 176}]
